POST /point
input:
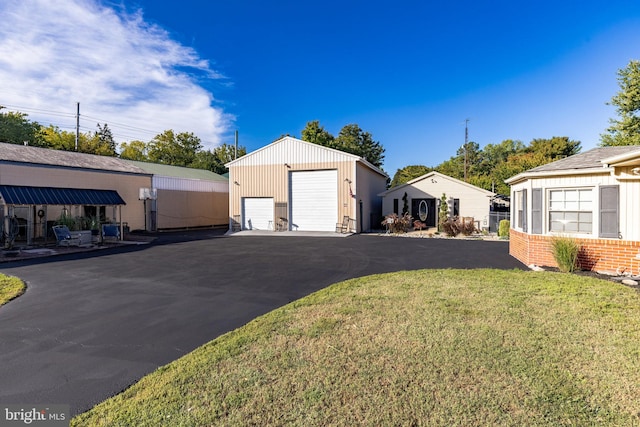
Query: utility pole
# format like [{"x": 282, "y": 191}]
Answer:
[
  {"x": 466, "y": 140},
  {"x": 77, "y": 124},
  {"x": 235, "y": 153}
]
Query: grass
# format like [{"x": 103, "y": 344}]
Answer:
[
  {"x": 430, "y": 348},
  {"x": 10, "y": 288},
  {"x": 565, "y": 251}
]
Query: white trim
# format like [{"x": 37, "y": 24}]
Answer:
[
  {"x": 567, "y": 172},
  {"x": 347, "y": 156}
]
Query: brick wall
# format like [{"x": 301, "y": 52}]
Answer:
[{"x": 609, "y": 255}]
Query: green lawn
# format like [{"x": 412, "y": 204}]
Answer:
[
  {"x": 432, "y": 347},
  {"x": 10, "y": 288}
]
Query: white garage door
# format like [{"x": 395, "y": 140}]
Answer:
[
  {"x": 314, "y": 200},
  {"x": 257, "y": 213}
]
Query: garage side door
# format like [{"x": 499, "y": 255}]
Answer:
[
  {"x": 257, "y": 213},
  {"x": 314, "y": 200}
]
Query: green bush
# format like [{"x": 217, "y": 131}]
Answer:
[
  {"x": 565, "y": 252},
  {"x": 503, "y": 228}
]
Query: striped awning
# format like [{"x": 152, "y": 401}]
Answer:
[{"x": 19, "y": 195}]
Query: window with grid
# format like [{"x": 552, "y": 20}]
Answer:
[{"x": 571, "y": 210}]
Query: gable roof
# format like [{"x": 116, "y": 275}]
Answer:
[
  {"x": 592, "y": 161},
  {"x": 14, "y": 153},
  {"x": 286, "y": 149},
  {"x": 440, "y": 175}
]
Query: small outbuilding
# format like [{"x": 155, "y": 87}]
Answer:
[
  {"x": 592, "y": 197},
  {"x": 292, "y": 184},
  {"x": 421, "y": 196}
]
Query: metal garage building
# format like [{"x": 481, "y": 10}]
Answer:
[{"x": 292, "y": 184}]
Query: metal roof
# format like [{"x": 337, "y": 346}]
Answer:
[
  {"x": 19, "y": 195},
  {"x": 45, "y": 156},
  {"x": 177, "y": 171}
]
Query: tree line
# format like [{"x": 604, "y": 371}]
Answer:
[
  {"x": 486, "y": 168},
  {"x": 489, "y": 167},
  {"x": 170, "y": 148}
]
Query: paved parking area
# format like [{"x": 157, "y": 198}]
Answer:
[{"x": 92, "y": 324}]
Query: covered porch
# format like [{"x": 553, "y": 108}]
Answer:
[{"x": 29, "y": 213}]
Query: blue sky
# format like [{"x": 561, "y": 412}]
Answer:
[{"x": 408, "y": 72}]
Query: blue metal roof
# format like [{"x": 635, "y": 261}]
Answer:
[{"x": 19, "y": 195}]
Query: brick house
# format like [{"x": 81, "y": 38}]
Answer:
[{"x": 593, "y": 197}]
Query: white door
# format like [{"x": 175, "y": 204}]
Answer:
[
  {"x": 257, "y": 213},
  {"x": 314, "y": 200}
]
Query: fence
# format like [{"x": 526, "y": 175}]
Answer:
[{"x": 495, "y": 218}]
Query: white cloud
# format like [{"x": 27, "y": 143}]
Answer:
[{"x": 122, "y": 70}]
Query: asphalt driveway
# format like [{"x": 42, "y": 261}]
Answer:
[{"x": 92, "y": 324}]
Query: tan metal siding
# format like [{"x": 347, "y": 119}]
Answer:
[
  {"x": 272, "y": 180},
  {"x": 180, "y": 209},
  {"x": 127, "y": 185},
  {"x": 368, "y": 185}
]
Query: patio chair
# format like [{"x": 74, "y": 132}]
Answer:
[
  {"x": 64, "y": 237},
  {"x": 110, "y": 231},
  {"x": 343, "y": 227}
]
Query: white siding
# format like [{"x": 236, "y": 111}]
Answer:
[
  {"x": 291, "y": 150},
  {"x": 474, "y": 201},
  {"x": 185, "y": 184},
  {"x": 629, "y": 199}
]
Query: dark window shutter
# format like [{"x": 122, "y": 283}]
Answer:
[
  {"x": 524, "y": 210},
  {"x": 609, "y": 211},
  {"x": 536, "y": 211}
]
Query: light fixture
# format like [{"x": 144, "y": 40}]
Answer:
[{"x": 287, "y": 165}]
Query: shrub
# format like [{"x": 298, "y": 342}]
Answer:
[
  {"x": 450, "y": 227},
  {"x": 565, "y": 252},
  {"x": 455, "y": 226},
  {"x": 503, "y": 228}
]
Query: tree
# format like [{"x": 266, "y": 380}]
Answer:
[
  {"x": 407, "y": 173},
  {"x": 15, "y": 128},
  {"x": 134, "y": 150},
  {"x": 351, "y": 139},
  {"x": 556, "y": 148},
  {"x": 227, "y": 152},
  {"x": 626, "y": 129},
  {"x": 207, "y": 160},
  {"x": 174, "y": 149},
  {"x": 494, "y": 154},
  {"x": 314, "y": 132},
  {"x": 354, "y": 140},
  {"x": 106, "y": 143},
  {"x": 56, "y": 139},
  {"x": 216, "y": 159}
]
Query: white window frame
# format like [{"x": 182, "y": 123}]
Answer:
[
  {"x": 577, "y": 206},
  {"x": 519, "y": 210}
]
